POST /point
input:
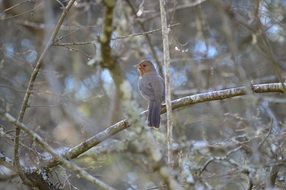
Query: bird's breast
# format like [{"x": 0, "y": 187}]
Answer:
[{"x": 145, "y": 88}]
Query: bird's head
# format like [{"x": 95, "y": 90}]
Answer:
[{"x": 144, "y": 67}]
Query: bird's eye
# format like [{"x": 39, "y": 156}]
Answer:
[{"x": 144, "y": 65}]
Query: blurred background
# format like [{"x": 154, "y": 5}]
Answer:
[{"x": 236, "y": 143}]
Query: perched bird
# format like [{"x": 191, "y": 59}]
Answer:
[{"x": 151, "y": 87}]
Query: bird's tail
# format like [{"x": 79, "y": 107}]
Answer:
[{"x": 154, "y": 110}]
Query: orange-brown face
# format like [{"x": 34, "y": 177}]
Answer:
[{"x": 144, "y": 67}]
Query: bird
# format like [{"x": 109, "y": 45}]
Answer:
[{"x": 151, "y": 87}]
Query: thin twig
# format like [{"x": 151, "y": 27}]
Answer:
[
  {"x": 2, "y": 18},
  {"x": 222, "y": 158},
  {"x": 267, "y": 135},
  {"x": 143, "y": 33},
  {"x": 15, "y": 5},
  {"x": 148, "y": 39},
  {"x": 116, "y": 38}
]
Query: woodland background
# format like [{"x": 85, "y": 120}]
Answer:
[{"x": 79, "y": 61}]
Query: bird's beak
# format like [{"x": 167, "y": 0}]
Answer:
[{"x": 136, "y": 66}]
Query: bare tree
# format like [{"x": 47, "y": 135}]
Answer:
[{"x": 71, "y": 116}]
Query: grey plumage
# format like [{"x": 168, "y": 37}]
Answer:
[{"x": 151, "y": 86}]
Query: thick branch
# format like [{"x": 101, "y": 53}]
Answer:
[
  {"x": 178, "y": 103},
  {"x": 105, "y": 37},
  {"x": 107, "y": 60}
]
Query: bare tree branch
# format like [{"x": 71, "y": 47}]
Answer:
[
  {"x": 165, "y": 33},
  {"x": 143, "y": 33},
  {"x": 5, "y": 18},
  {"x": 30, "y": 87},
  {"x": 276, "y": 68},
  {"x": 181, "y": 7},
  {"x": 176, "y": 104},
  {"x": 15, "y": 5},
  {"x": 116, "y": 38},
  {"x": 107, "y": 60},
  {"x": 105, "y": 37},
  {"x": 222, "y": 158},
  {"x": 69, "y": 165},
  {"x": 148, "y": 39}
]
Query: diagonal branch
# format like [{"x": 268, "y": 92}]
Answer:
[
  {"x": 31, "y": 84},
  {"x": 176, "y": 104},
  {"x": 40, "y": 59},
  {"x": 69, "y": 165}
]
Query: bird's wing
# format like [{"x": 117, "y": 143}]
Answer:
[
  {"x": 146, "y": 89},
  {"x": 157, "y": 86}
]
